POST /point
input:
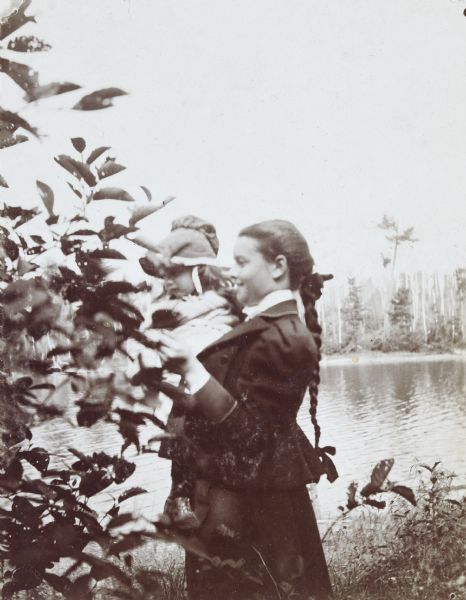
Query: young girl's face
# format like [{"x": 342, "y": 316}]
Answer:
[
  {"x": 253, "y": 272},
  {"x": 178, "y": 281}
]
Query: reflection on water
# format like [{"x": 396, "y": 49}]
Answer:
[{"x": 411, "y": 411}]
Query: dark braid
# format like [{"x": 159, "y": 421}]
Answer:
[
  {"x": 310, "y": 290},
  {"x": 279, "y": 237}
]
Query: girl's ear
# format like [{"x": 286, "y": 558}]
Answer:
[{"x": 280, "y": 267}]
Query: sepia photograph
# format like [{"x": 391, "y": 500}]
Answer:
[{"x": 232, "y": 300}]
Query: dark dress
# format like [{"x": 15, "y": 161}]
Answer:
[{"x": 257, "y": 521}]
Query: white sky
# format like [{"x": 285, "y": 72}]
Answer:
[{"x": 325, "y": 113}]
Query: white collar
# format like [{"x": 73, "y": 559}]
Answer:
[{"x": 268, "y": 301}]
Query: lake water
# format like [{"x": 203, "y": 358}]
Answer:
[{"x": 413, "y": 411}]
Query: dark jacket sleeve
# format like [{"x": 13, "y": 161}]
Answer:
[
  {"x": 267, "y": 392},
  {"x": 277, "y": 368}
]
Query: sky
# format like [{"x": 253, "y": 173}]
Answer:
[{"x": 328, "y": 114}]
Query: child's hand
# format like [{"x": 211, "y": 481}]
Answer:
[{"x": 175, "y": 356}]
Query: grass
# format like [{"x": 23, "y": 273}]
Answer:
[{"x": 398, "y": 553}]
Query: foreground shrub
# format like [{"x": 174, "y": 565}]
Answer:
[{"x": 414, "y": 554}]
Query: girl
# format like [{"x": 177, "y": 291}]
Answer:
[{"x": 253, "y": 461}]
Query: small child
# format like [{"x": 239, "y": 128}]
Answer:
[{"x": 199, "y": 308}]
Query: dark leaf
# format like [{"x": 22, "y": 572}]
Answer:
[
  {"x": 7, "y": 139},
  {"x": 120, "y": 520},
  {"x": 37, "y": 239},
  {"x": 91, "y": 266},
  {"x": 52, "y": 220},
  {"x": 46, "y": 194},
  {"x": 154, "y": 419},
  {"x": 77, "y": 169},
  {"x": 352, "y": 502},
  {"x": 96, "y": 153},
  {"x": 113, "y": 511},
  {"x": 116, "y": 287},
  {"x": 11, "y": 249},
  {"x": 148, "y": 376},
  {"x": 3, "y": 182},
  {"x": 22, "y": 510},
  {"x": 380, "y": 504},
  {"x": 38, "y": 458},
  {"x": 378, "y": 477},
  {"x": 80, "y": 589},
  {"x": 14, "y": 469},
  {"x": 24, "y": 267},
  {"x": 11, "y": 121},
  {"x": 24, "y": 578},
  {"x": 151, "y": 579},
  {"x": 15, "y": 19},
  {"x": 109, "y": 168},
  {"x": 42, "y": 367},
  {"x": 147, "y": 192},
  {"x": 79, "y": 144},
  {"x": 99, "y": 99},
  {"x": 102, "y": 569},
  {"x": 28, "y": 43},
  {"x": 406, "y": 492},
  {"x": 141, "y": 212},
  {"x": 77, "y": 453},
  {"x": 17, "y": 212},
  {"x": 22, "y": 75},
  {"x": 165, "y": 319},
  {"x": 94, "y": 482},
  {"x": 131, "y": 416},
  {"x": 57, "y": 582},
  {"x": 107, "y": 253},
  {"x": 135, "y": 491},
  {"x": 129, "y": 542},
  {"x": 113, "y": 193},
  {"x": 122, "y": 470},
  {"x": 69, "y": 245},
  {"x": 90, "y": 413},
  {"x": 129, "y": 432},
  {"x": 34, "y": 250},
  {"x": 84, "y": 232},
  {"x": 22, "y": 242},
  {"x": 78, "y": 194},
  {"x": 68, "y": 274},
  {"x": 113, "y": 230},
  {"x": 52, "y": 89}
]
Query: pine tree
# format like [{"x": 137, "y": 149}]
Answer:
[
  {"x": 352, "y": 313},
  {"x": 401, "y": 322}
]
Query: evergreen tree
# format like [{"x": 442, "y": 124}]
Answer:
[
  {"x": 401, "y": 321},
  {"x": 352, "y": 312}
]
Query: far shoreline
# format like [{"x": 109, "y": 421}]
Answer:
[{"x": 367, "y": 357}]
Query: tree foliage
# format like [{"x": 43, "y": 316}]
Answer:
[
  {"x": 87, "y": 320},
  {"x": 396, "y": 237},
  {"x": 353, "y": 316}
]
